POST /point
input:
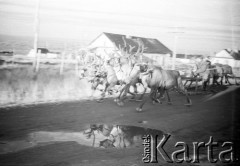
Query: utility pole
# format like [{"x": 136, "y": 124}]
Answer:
[
  {"x": 36, "y": 30},
  {"x": 174, "y": 51},
  {"x": 232, "y": 31}
]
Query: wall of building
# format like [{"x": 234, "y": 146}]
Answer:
[
  {"x": 104, "y": 46},
  {"x": 231, "y": 62},
  {"x": 158, "y": 59},
  {"x": 107, "y": 49}
]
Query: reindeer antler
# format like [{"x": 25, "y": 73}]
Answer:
[
  {"x": 127, "y": 49},
  {"x": 141, "y": 47},
  {"x": 130, "y": 49},
  {"x": 124, "y": 41},
  {"x": 122, "y": 50}
]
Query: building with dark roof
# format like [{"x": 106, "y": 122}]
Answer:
[
  {"x": 110, "y": 44},
  {"x": 235, "y": 54},
  {"x": 229, "y": 57}
]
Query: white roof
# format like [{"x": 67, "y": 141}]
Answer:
[{"x": 223, "y": 54}]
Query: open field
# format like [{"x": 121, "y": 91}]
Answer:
[{"x": 21, "y": 85}]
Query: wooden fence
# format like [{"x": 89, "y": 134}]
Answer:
[{"x": 39, "y": 60}]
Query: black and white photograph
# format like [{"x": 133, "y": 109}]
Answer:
[{"x": 119, "y": 82}]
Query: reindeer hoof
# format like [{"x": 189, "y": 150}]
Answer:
[
  {"x": 169, "y": 103},
  {"x": 100, "y": 100},
  {"x": 163, "y": 97},
  {"x": 120, "y": 103},
  {"x": 131, "y": 99},
  {"x": 139, "y": 109},
  {"x": 159, "y": 101},
  {"x": 116, "y": 100},
  {"x": 188, "y": 104}
]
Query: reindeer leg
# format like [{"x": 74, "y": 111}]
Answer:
[
  {"x": 92, "y": 92},
  {"x": 103, "y": 93},
  {"x": 141, "y": 97},
  {"x": 161, "y": 95},
  {"x": 111, "y": 86},
  {"x": 128, "y": 91},
  {"x": 119, "y": 96},
  {"x": 221, "y": 81},
  {"x": 124, "y": 143},
  {"x": 133, "y": 94},
  {"x": 124, "y": 91},
  {"x": 154, "y": 97},
  {"x": 227, "y": 80},
  {"x": 185, "y": 83},
  {"x": 204, "y": 85},
  {"x": 225, "y": 77},
  {"x": 169, "y": 100},
  {"x": 139, "y": 109},
  {"x": 94, "y": 139},
  {"x": 145, "y": 86},
  {"x": 93, "y": 89},
  {"x": 215, "y": 78},
  {"x": 235, "y": 79},
  {"x": 135, "y": 88},
  {"x": 189, "y": 102},
  {"x": 196, "y": 86},
  {"x": 190, "y": 84},
  {"x": 181, "y": 88}
]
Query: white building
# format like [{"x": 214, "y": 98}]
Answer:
[
  {"x": 228, "y": 57},
  {"x": 108, "y": 44}
]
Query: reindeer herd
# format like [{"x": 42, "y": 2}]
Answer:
[{"x": 127, "y": 71}]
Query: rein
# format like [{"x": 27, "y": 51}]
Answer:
[{"x": 211, "y": 68}]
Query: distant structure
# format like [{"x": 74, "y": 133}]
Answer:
[
  {"x": 228, "y": 57},
  {"x": 110, "y": 44},
  {"x": 44, "y": 53},
  {"x": 188, "y": 56}
]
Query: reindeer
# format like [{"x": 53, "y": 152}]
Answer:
[
  {"x": 108, "y": 78},
  {"x": 133, "y": 75},
  {"x": 221, "y": 71},
  {"x": 225, "y": 71},
  {"x": 158, "y": 79},
  {"x": 215, "y": 71},
  {"x": 126, "y": 73}
]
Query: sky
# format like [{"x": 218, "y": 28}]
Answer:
[{"x": 203, "y": 26}]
